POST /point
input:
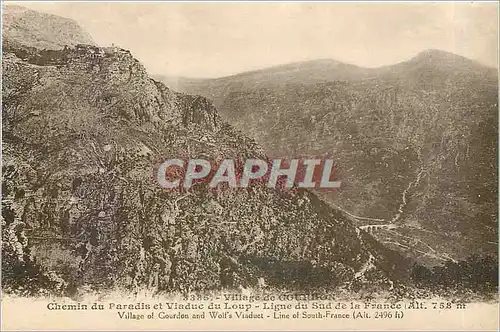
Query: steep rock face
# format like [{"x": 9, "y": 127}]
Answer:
[
  {"x": 415, "y": 145},
  {"x": 192, "y": 104},
  {"x": 22, "y": 26},
  {"x": 83, "y": 130}
]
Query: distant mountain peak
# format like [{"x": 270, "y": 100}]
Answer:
[
  {"x": 441, "y": 57},
  {"x": 304, "y": 65},
  {"x": 23, "y": 26},
  {"x": 435, "y": 52}
]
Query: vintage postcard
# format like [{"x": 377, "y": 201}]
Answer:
[{"x": 249, "y": 166}]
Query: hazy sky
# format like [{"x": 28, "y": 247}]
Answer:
[{"x": 217, "y": 39}]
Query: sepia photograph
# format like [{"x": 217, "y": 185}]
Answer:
[{"x": 249, "y": 165}]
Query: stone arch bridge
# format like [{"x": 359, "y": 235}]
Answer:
[{"x": 371, "y": 228}]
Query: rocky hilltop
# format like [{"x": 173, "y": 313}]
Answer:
[
  {"x": 84, "y": 127},
  {"x": 22, "y": 26}
]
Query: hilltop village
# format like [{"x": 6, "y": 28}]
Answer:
[{"x": 59, "y": 57}]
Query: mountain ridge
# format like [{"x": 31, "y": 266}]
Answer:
[
  {"x": 424, "y": 55},
  {"x": 27, "y": 27},
  {"x": 398, "y": 134}
]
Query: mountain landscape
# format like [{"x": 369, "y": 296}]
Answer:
[
  {"x": 415, "y": 143},
  {"x": 83, "y": 130}
]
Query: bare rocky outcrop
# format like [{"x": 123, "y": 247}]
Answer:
[{"x": 25, "y": 27}]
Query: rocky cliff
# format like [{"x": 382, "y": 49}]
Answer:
[{"x": 84, "y": 127}]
